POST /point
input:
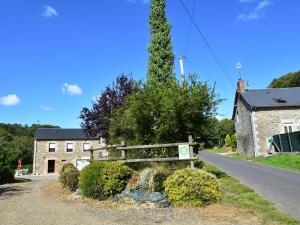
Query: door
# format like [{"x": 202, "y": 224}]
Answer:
[{"x": 51, "y": 166}]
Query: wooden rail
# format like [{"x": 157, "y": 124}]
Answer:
[{"x": 124, "y": 148}]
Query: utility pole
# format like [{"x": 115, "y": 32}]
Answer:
[{"x": 181, "y": 58}]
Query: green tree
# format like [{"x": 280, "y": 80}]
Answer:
[
  {"x": 285, "y": 81},
  {"x": 233, "y": 141},
  {"x": 161, "y": 57},
  {"x": 228, "y": 141}
]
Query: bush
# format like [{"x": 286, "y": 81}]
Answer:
[
  {"x": 91, "y": 180},
  {"x": 68, "y": 176},
  {"x": 228, "y": 141},
  {"x": 116, "y": 176},
  {"x": 101, "y": 180},
  {"x": 192, "y": 187},
  {"x": 159, "y": 177},
  {"x": 233, "y": 141},
  {"x": 6, "y": 175}
]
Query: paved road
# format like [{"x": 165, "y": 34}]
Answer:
[{"x": 278, "y": 185}]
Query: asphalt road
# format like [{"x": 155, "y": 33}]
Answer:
[{"x": 280, "y": 186}]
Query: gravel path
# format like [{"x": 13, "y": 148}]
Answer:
[
  {"x": 28, "y": 203},
  {"x": 281, "y": 186}
]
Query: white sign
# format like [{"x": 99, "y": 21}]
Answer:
[{"x": 184, "y": 152}]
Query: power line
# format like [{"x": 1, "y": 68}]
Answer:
[
  {"x": 190, "y": 27},
  {"x": 197, "y": 67},
  {"x": 206, "y": 42}
]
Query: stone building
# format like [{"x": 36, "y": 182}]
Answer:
[
  {"x": 55, "y": 146},
  {"x": 260, "y": 114}
]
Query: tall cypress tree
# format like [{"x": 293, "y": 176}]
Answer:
[{"x": 161, "y": 59}]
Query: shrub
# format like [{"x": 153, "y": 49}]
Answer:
[
  {"x": 192, "y": 187},
  {"x": 159, "y": 177},
  {"x": 101, "y": 180},
  {"x": 228, "y": 141},
  {"x": 91, "y": 180},
  {"x": 116, "y": 176},
  {"x": 233, "y": 141},
  {"x": 68, "y": 176},
  {"x": 6, "y": 175}
]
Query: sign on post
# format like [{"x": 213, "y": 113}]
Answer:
[{"x": 184, "y": 152}]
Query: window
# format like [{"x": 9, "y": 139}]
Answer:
[
  {"x": 70, "y": 147},
  {"x": 288, "y": 128},
  {"x": 52, "y": 147},
  {"x": 86, "y": 146}
]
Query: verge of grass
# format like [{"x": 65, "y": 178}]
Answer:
[
  {"x": 221, "y": 150},
  {"x": 236, "y": 194},
  {"x": 286, "y": 161}
]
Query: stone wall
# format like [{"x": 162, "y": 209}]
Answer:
[
  {"x": 270, "y": 122},
  {"x": 42, "y": 154},
  {"x": 243, "y": 126}
]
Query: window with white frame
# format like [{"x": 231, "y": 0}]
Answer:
[
  {"x": 86, "y": 146},
  {"x": 70, "y": 147},
  {"x": 51, "y": 147}
]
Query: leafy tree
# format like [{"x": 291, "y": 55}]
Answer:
[
  {"x": 285, "y": 81},
  {"x": 233, "y": 141},
  {"x": 228, "y": 141},
  {"x": 161, "y": 57},
  {"x": 224, "y": 127},
  {"x": 96, "y": 121}
]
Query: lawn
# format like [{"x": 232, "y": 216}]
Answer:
[
  {"x": 286, "y": 161},
  {"x": 238, "y": 195}
]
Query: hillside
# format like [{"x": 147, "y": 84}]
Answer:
[
  {"x": 16, "y": 142},
  {"x": 288, "y": 80}
]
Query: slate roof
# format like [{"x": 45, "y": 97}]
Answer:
[
  {"x": 273, "y": 97},
  {"x": 268, "y": 98},
  {"x": 61, "y": 134}
]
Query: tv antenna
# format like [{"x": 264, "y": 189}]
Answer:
[{"x": 238, "y": 66}]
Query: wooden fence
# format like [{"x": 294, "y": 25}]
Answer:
[{"x": 123, "y": 148}]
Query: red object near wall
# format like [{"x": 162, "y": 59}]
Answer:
[{"x": 19, "y": 164}]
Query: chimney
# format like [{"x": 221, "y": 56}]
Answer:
[{"x": 241, "y": 86}]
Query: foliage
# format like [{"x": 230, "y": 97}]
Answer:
[
  {"x": 68, "y": 176},
  {"x": 161, "y": 59},
  {"x": 228, "y": 140},
  {"x": 162, "y": 115},
  {"x": 192, "y": 187},
  {"x": 159, "y": 177},
  {"x": 29, "y": 167},
  {"x": 16, "y": 142},
  {"x": 285, "y": 81},
  {"x": 96, "y": 121},
  {"x": 116, "y": 176},
  {"x": 101, "y": 180},
  {"x": 6, "y": 175},
  {"x": 91, "y": 180},
  {"x": 233, "y": 141}
]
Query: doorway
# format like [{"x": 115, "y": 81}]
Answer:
[{"x": 51, "y": 166}]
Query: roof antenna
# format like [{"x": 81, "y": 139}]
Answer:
[{"x": 238, "y": 66}]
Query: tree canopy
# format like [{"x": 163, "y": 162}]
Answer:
[
  {"x": 285, "y": 81},
  {"x": 16, "y": 142}
]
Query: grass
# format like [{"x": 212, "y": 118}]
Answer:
[
  {"x": 236, "y": 194},
  {"x": 220, "y": 150},
  {"x": 286, "y": 161}
]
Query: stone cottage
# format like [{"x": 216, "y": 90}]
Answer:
[
  {"x": 259, "y": 114},
  {"x": 55, "y": 146}
]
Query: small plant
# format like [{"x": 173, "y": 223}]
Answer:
[
  {"x": 233, "y": 142},
  {"x": 68, "y": 176},
  {"x": 6, "y": 175},
  {"x": 91, "y": 181},
  {"x": 192, "y": 187},
  {"x": 116, "y": 176},
  {"x": 159, "y": 177},
  {"x": 228, "y": 141}
]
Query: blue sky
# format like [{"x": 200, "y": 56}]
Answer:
[{"x": 56, "y": 55}]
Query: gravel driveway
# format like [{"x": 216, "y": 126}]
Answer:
[{"x": 28, "y": 203}]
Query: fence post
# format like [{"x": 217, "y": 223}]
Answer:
[
  {"x": 190, "y": 137},
  {"x": 123, "y": 151},
  {"x": 91, "y": 154}
]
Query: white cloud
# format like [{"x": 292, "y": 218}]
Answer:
[
  {"x": 71, "y": 89},
  {"x": 46, "y": 108},
  {"x": 256, "y": 13},
  {"x": 11, "y": 99},
  {"x": 49, "y": 11}
]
